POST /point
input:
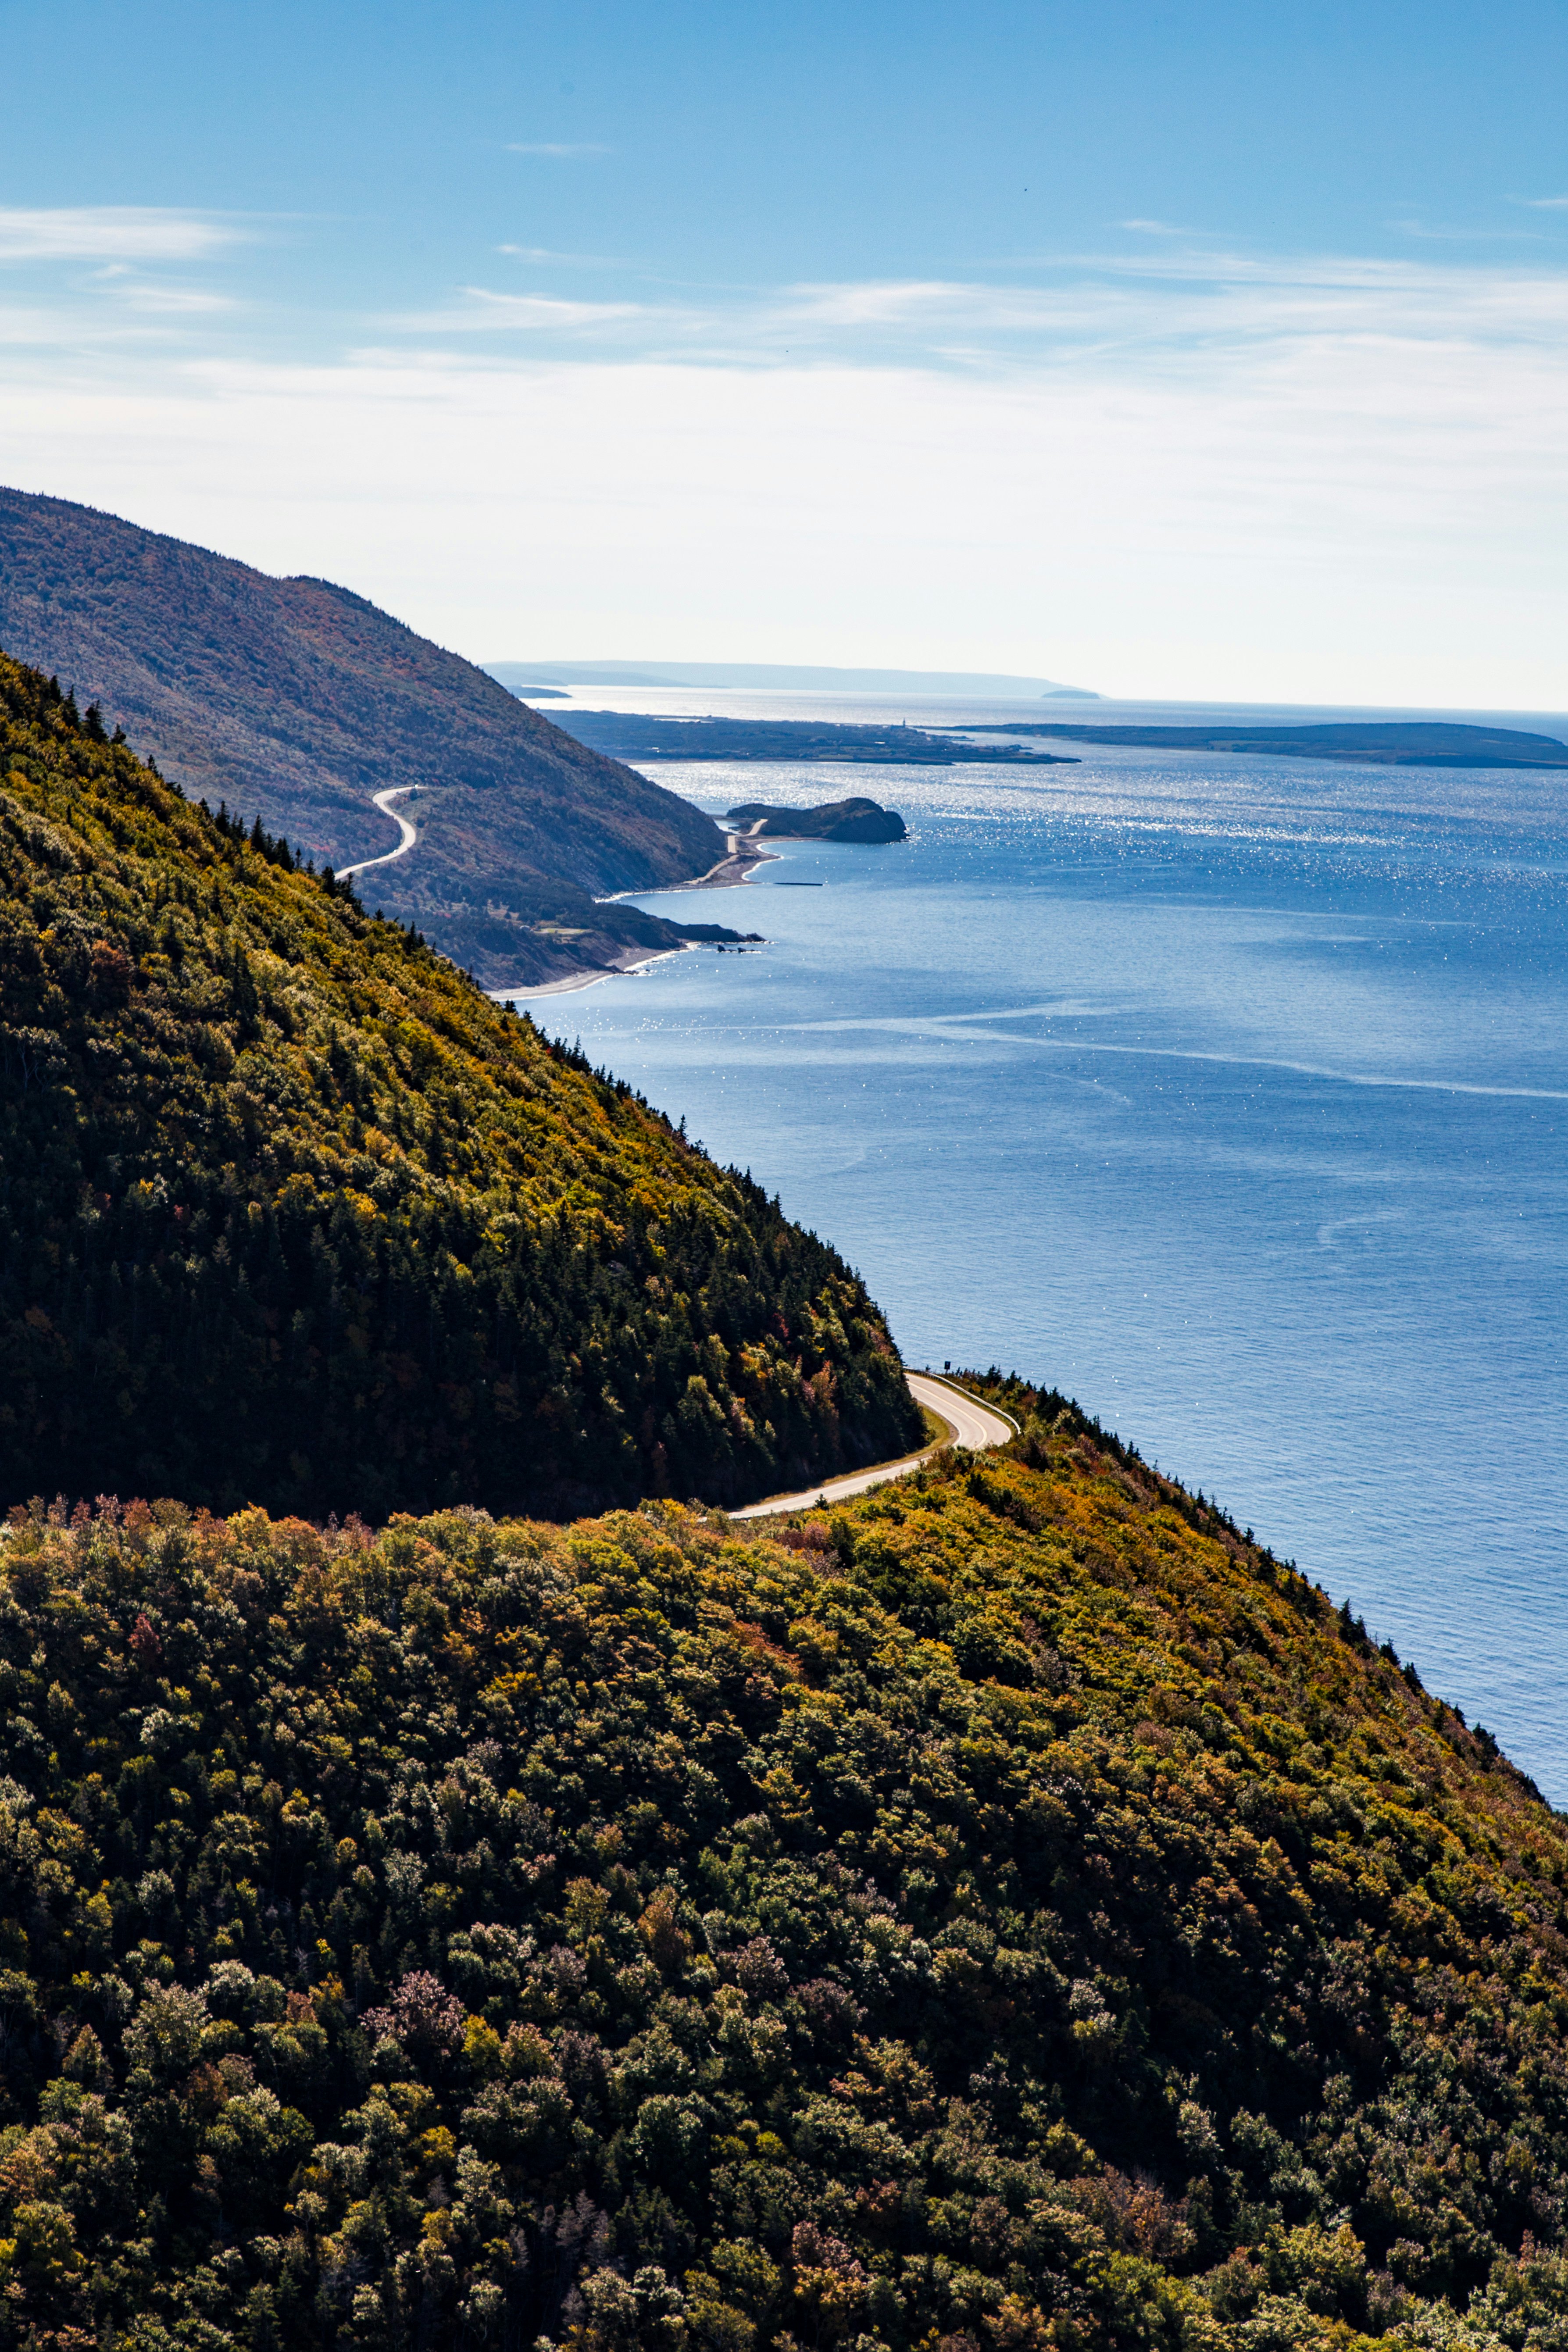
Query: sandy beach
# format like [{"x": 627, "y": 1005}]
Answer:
[
  {"x": 589, "y": 979},
  {"x": 742, "y": 855}
]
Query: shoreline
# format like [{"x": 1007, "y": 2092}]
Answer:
[
  {"x": 575, "y": 980},
  {"x": 742, "y": 857},
  {"x": 743, "y": 854}
]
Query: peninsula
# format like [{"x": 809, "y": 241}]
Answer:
[
  {"x": 626, "y": 735},
  {"x": 1392, "y": 743},
  {"x": 850, "y": 820}
]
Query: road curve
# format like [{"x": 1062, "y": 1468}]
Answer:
[
  {"x": 969, "y": 1422},
  {"x": 382, "y": 800}
]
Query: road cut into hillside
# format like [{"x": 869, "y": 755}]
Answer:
[
  {"x": 968, "y": 1422},
  {"x": 382, "y": 800}
]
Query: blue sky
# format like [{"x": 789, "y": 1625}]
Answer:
[{"x": 1201, "y": 350}]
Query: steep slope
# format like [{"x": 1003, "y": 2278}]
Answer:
[
  {"x": 290, "y": 1212},
  {"x": 295, "y": 700},
  {"x": 1021, "y": 1914}
]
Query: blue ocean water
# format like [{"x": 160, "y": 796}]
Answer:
[{"x": 1227, "y": 1093}]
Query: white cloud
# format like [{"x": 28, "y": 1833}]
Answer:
[
  {"x": 105, "y": 232},
  {"x": 1322, "y": 479},
  {"x": 483, "y": 311},
  {"x": 1148, "y": 308},
  {"x": 576, "y": 261},
  {"x": 171, "y": 302}
]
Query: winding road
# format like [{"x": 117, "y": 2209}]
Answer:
[
  {"x": 969, "y": 1422},
  {"x": 382, "y": 800}
]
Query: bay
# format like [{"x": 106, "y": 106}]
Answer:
[{"x": 1225, "y": 1092}]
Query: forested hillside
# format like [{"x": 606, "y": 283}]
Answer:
[
  {"x": 290, "y": 1212},
  {"x": 295, "y": 700},
  {"x": 1018, "y": 1914}
]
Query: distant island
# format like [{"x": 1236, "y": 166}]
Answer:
[
  {"x": 796, "y": 677},
  {"x": 1392, "y": 743},
  {"x": 851, "y": 820},
  {"x": 628, "y": 735}
]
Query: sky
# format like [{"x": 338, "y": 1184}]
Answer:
[{"x": 1188, "y": 352}]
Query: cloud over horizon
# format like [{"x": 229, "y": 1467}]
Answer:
[{"x": 1182, "y": 471}]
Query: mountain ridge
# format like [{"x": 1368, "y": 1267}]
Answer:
[
  {"x": 290, "y": 1212},
  {"x": 295, "y": 699}
]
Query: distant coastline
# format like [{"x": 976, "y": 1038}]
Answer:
[
  {"x": 782, "y": 677},
  {"x": 630, "y": 735},
  {"x": 1394, "y": 743}
]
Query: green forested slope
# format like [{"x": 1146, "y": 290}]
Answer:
[
  {"x": 292, "y": 1213},
  {"x": 1018, "y": 1915}
]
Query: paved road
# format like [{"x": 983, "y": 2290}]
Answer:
[
  {"x": 969, "y": 1422},
  {"x": 383, "y": 801}
]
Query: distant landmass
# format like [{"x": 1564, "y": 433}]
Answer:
[
  {"x": 787, "y": 676},
  {"x": 295, "y": 700},
  {"x": 851, "y": 820},
  {"x": 1393, "y": 743},
  {"x": 628, "y": 735}
]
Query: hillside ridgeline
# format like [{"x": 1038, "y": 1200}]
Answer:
[
  {"x": 290, "y": 1212},
  {"x": 1018, "y": 1915},
  {"x": 294, "y": 701}
]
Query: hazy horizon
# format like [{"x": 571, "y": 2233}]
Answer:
[{"x": 1196, "y": 355}]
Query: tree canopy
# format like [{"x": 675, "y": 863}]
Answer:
[
  {"x": 1014, "y": 1913},
  {"x": 290, "y": 1212}
]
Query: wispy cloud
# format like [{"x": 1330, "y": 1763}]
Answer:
[
  {"x": 1429, "y": 235},
  {"x": 555, "y": 147},
  {"x": 1544, "y": 204},
  {"x": 1180, "y": 469},
  {"x": 1170, "y": 306},
  {"x": 570, "y": 260},
  {"x": 171, "y": 302},
  {"x": 111, "y": 231},
  {"x": 480, "y": 310}
]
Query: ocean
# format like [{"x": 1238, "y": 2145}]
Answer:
[{"x": 1225, "y": 1092}]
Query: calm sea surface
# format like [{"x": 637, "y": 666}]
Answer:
[{"x": 1227, "y": 1093}]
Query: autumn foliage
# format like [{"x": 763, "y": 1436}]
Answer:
[
  {"x": 1013, "y": 1912},
  {"x": 290, "y": 1212}
]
